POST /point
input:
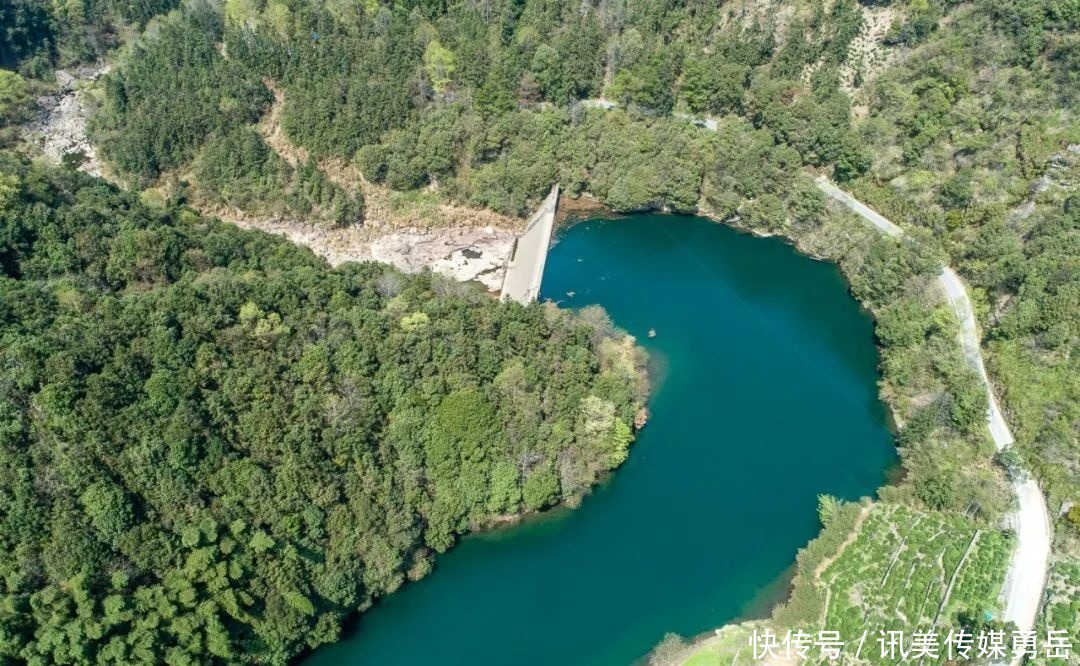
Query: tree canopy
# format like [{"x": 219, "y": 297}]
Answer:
[{"x": 215, "y": 447}]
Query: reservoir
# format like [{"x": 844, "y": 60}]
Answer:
[{"x": 764, "y": 372}]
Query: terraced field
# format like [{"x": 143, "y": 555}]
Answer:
[
  {"x": 1062, "y": 610},
  {"x": 906, "y": 570},
  {"x": 878, "y": 567}
]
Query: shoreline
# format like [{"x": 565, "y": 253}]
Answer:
[
  {"x": 894, "y": 476},
  {"x": 784, "y": 585},
  {"x": 337, "y": 247}
]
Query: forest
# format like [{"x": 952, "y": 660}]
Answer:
[
  {"x": 215, "y": 448},
  {"x": 961, "y": 128},
  {"x": 38, "y": 35},
  {"x": 976, "y": 141},
  {"x": 480, "y": 101}
]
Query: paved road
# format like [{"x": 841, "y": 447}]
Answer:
[
  {"x": 525, "y": 270},
  {"x": 864, "y": 211},
  {"x": 1026, "y": 575},
  {"x": 969, "y": 341}
]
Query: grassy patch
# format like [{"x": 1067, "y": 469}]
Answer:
[{"x": 730, "y": 645}]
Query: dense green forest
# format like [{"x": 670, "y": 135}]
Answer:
[
  {"x": 478, "y": 99},
  {"x": 215, "y": 447},
  {"x": 14, "y": 106},
  {"x": 976, "y": 140},
  {"x": 961, "y": 127},
  {"x": 37, "y": 35}
]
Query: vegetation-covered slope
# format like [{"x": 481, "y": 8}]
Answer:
[
  {"x": 885, "y": 566},
  {"x": 955, "y": 119},
  {"x": 37, "y": 35},
  {"x": 215, "y": 447},
  {"x": 976, "y": 138},
  {"x": 877, "y": 567},
  {"x": 476, "y": 98},
  {"x": 973, "y": 132}
]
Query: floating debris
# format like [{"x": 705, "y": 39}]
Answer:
[
  {"x": 571, "y": 294},
  {"x": 652, "y": 332}
]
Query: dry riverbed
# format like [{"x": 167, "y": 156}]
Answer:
[
  {"x": 59, "y": 127},
  {"x": 459, "y": 242},
  {"x": 464, "y": 253}
]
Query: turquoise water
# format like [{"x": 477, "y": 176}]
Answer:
[{"x": 764, "y": 398}]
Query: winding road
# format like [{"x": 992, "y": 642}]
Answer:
[
  {"x": 1026, "y": 575},
  {"x": 1025, "y": 578}
]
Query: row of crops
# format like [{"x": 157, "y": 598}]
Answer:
[
  {"x": 1062, "y": 610},
  {"x": 909, "y": 571},
  {"x": 878, "y": 567}
]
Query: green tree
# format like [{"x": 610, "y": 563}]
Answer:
[
  {"x": 440, "y": 65},
  {"x": 14, "y": 98},
  {"x": 323, "y": 430},
  {"x": 108, "y": 509}
]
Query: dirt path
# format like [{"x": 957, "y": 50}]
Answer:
[
  {"x": 955, "y": 575},
  {"x": 411, "y": 232},
  {"x": 854, "y": 534},
  {"x": 828, "y": 561},
  {"x": 462, "y": 243}
]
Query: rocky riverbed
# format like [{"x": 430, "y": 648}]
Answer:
[
  {"x": 462, "y": 253},
  {"x": 59, "y": 128},
  {"x": 473, "y": 246}
]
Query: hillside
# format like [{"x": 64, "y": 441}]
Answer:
[
  {"x": 216, "y": 447},
  {"x": 955, "y": 120}
]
